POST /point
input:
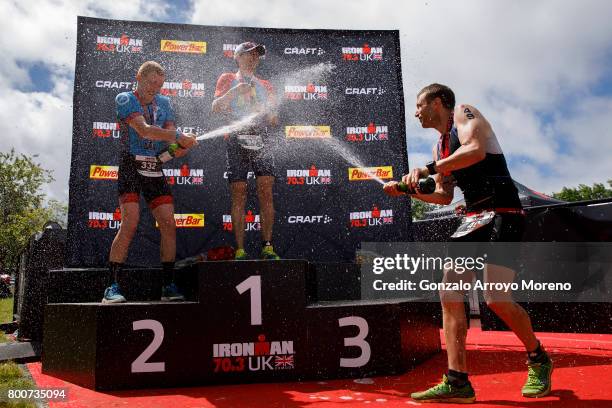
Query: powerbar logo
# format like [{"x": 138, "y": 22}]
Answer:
[
  {"x": 190, "y": 129},
  {"x": 309, "y": 219},
  {"x": 307, "y": 132},
  {"x": 97, "y": 172},
  {"x": 368, "y": 133},
  {"x": 310, "y": 92},
  {"x": 188, "y": 47},
  {"x": 187, "y": 221},
  {"x": 261, "y": 355},
  {"x": 303, "y": 51},
  {"x": 104, "y": 220},
  {"x": 251, "y": 222},
  {"x": 370, "y": 173},
  {"x": 185, "y": 89},
  {"x": 312, "y": 176},
  {"x": 115, "y": 84},
  {"x": 228, "y": 50},
  {"x": 184, "y": 176},
  {"x": 375, "y": 91},
  {"x": 375, "y": 217},
  {"x": 118, "y": 44},
  {"x": 363, "y": 54},
  {"x": 106, "y": 129}
]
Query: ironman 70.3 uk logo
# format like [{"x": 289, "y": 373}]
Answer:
[{"x": 261, "y": 355}]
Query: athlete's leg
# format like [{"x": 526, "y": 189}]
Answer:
[
  {"x": 454, "y": 320},
  {"x": 130, "y": 213},
  {"x": 266, "y": 205},
  {"x": 164, "y": 215},
  {"x": 501, "y": 302},
  {"x": 239, "y": 194}
]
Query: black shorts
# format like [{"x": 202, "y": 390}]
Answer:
[
  {"x": 239, "y": 161},
  {"x": 131, "y": 184},
  {"x": 502, "y": 228}
]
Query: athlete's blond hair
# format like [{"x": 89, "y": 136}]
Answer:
[{"x": 150, "y": 66}]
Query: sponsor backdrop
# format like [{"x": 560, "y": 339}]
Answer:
[{"x": 325, "y": 205}]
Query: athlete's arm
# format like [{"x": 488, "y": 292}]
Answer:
[
  {"x": 444, "y": 191},
  {"x": 147, "y": 131},
  {"x": 472, "y": 129},
  {"x": 225, "y": 94}
]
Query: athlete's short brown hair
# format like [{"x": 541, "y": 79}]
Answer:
[
  {"x": 446, "y": 95},
  {"x": 151, "y": 66}
]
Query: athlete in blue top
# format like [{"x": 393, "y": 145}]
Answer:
[{"x": 147, "y": 126}]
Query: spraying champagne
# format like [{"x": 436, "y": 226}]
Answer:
[{"x": 426, "y": 186}]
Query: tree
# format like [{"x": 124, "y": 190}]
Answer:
[
  {"x": 22, "y": 204},
  {"x": 584, "y": 192},
  {"x": 419, "y": 208}
]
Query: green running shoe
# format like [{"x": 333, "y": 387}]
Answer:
[
  {"x": 241, "y": 255},
  {"x": 446, "y": 392},
  {"x": 268, "y": 253},
  {"x": 538, "y": 379}
]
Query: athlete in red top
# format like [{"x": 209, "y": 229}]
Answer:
[{"x": 242, "y": 95}]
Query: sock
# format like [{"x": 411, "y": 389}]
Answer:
[
  {"x": 538, "y": 355},
  {"x": 168, "y": 269},
  {"x": 457, "y": 378},
  {"x": 266, "y": 243},
  {"x": 114, "y": 268}
]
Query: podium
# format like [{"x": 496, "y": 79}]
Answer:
[{"x": 247, "y": 321}]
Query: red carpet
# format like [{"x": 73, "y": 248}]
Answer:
[{"x": 582, "y": 378}]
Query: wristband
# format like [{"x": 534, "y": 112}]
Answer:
[{"x": 431, "y": 167}]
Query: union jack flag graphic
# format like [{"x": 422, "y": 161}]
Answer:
[
  {"x": 377, "y": 56},
  {"x": 283, "y": 362}
]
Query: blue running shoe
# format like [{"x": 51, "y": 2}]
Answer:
[
  {"x": 171, "y": 293},
  {"x": 112, "y": 294}
]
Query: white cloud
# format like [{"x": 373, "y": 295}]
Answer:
[
  {"x": 516, "y": 61},
  {"x": 45, "y": 32}
]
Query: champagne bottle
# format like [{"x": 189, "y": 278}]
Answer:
[
  {"x": 169, "y": 153},
  {"x": 426, "y": 186}
]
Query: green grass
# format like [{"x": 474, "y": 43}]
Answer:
[
  {"x": 6, "y": 310},
  {"x": 11, "y": 378}
]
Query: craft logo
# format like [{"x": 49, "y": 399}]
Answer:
[
  {"x": 190, "y": 129},
  {"x": 309, "y": 219},
  {"x": 372, "y": 218},
  {"x": 185, "y": 89},
  {"x": 187, "y": 47},
  {"x": 303, "y": 51},
  {"x": 97, "y": 172},
  {"x": 251, "y": 222},
  {"x": 363, "y": 54},
  {"x": 261, "y": 355},
  {"x": 370, "y": 173},
  {"x": 187, "y": 221},
  {"x": 115, "y": 85},
  {"x": 368, "y": 133},
  {"x": 185, "y": 176},
  {"x": 106, "y": 129},
  {"x": 374, "y": 91},
  {"x": 307, "y": 132},
  {"x": 250, "y": 175},
  {"x": 228, "y": 50},
  {"x": 310, "y": 92},
  {"x": 118, "y": 44},
  {"x": 104, "y": 220},
  {"x": 311, "y": 176}
]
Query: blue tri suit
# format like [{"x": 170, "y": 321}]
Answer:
[{"x": 139, "y": 169}]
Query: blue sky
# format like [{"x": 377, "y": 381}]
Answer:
[{"x": 541, "y": 72}]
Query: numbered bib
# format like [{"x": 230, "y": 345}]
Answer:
[
  {"x": 250, "y": 142},
  {"x": 148, "y": 166},
  {"x": 473, "y": 222}
]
